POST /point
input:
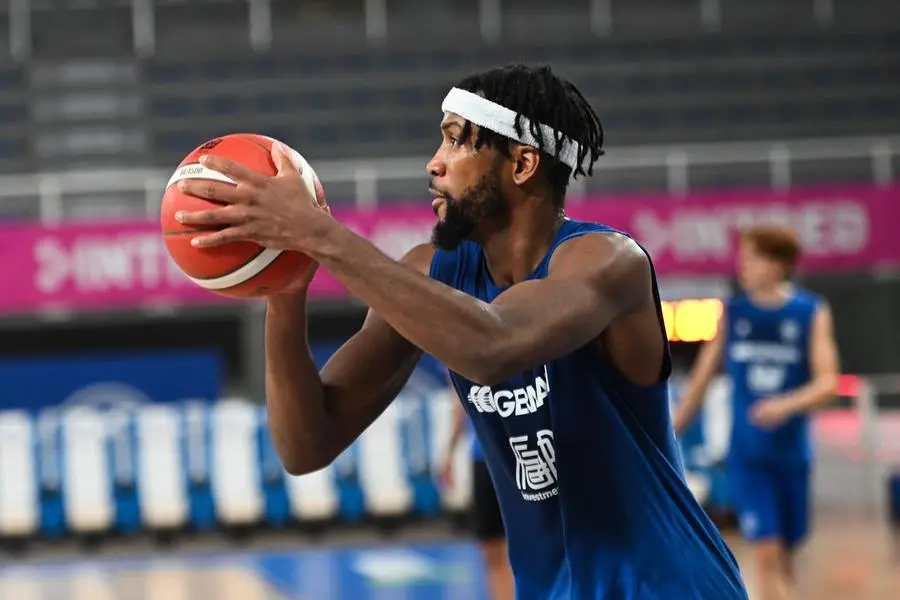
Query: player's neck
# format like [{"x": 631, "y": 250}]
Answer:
[
  {"x": 772, "y": 296},
  {"x": 513, "y": 253}
]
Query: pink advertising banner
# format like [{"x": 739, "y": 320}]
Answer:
[{"x": 115, "y": 265}]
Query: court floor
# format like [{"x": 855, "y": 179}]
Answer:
[
  {"x": 849, "y": 558},
  {"x": 420, "y": 571}
]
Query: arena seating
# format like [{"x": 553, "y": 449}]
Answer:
[
  {"x": 659, "y": 77},
  {"x": 669, "y": 91},
  {"x": 89, "y": 472},
  {"x": 160, "y": 485},
  {"x": 19, "y": 510},
  {"x": 88, "y": 476}
]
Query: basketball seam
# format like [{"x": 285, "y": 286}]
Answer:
[
  {"x": 247, "y": 271},
  {"x": 234, "y": 270},
  {"x": 247, "y": 138},
  {"x": 203, "y": 174}
]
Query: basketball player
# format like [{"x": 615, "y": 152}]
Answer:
[
  {"x": 780, "y": 354},
  {"x": 487, "y": 522},
  {"x": 551, "y": 329}
]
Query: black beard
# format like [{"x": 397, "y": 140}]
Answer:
[
  {"x": 456, "y": 226},
  {"x": 482, "y": 201}
]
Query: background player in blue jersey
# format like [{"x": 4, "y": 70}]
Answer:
[
  {"x": 778, "y": 347},
  {"x": 551, "y": 328},
  {"x": 486, "y": 519}
]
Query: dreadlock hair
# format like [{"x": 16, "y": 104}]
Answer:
[{"x": 536, "y": 93}]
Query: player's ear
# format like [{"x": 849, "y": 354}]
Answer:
[{"x": 526, "y": 161}]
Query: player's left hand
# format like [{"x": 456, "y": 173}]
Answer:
[
  {"x": 770, "y": 412},
  {"x": 277, "y": 212}
]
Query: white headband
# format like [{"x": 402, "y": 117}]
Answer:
[{"x": 499, "y": 119}]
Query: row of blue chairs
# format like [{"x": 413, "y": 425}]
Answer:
[{"x": 201, "y": 466}]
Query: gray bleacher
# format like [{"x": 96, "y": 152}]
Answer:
[
  {"x": 677, "y": 90},
  {"x": 14, "y": 148},
  {"x": 658, "y": 77}
]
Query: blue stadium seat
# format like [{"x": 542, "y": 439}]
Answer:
[
  {"x": 49, "y": 453},
  {"x": 312, "y": 99},
  {"x": 174, "y": 107},
  {"x": 357, "y": 99},
  {"x": 264, "y": 67},
  {"x": 13, "y": 148},
  {"x": 196, "y": 451},
  {"x": 883, "y": 108},
  {"x": 373, "y": 132},
  {"x": 13, "y": 113},
  {"x": 699, "y": 118},
  {"x": 235, "y": 477},
  {"x": 351, "y": 506},
  {"x": 180, "y": 142},
  {"x": 789, "y": 112},
  {"x": 162, "y": 483},
  {"x": 19, "y": 506},
  {"x": 221, "y": 70},
  {"x": 170, "y": 73},
  {"x": 88, "y": 488},
  {"x": 277, "y": 510},
  {"x": 11, "y": 79},
  {"x": 408, "y": 97},
  {"x": 323, "y": 134},
  {"x": 419, "y": 466},
  {"x": 224, "y": 105},
  {"x": 273, "y": 102},
  {"x": 122, "y": 452}
]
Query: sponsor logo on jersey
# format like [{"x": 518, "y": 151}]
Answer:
[{"x": 515, "y": 402}]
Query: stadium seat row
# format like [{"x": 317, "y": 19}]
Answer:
[{"x": 200, "y": 466}]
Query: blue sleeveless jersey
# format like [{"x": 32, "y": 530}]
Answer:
[
  {"x": 587, "y": 471},
  {"x": 767, "y": 353}
]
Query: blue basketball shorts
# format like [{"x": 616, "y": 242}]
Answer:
[{"x": 772, "y": 502}]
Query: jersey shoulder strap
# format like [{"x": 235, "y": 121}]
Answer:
[{"x": 449, "y": 266}]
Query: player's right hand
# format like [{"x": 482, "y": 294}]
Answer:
[{"x": 301, "y": 284}]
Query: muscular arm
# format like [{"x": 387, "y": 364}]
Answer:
[
  {"x": 313, "y": 417},
  {"x": 824, "y": 364},
  {"x": 705, "y": 368},
  {"x": 592, "y": 279}
]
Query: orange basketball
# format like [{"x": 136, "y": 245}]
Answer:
[{"x": 237, "y": 269}]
